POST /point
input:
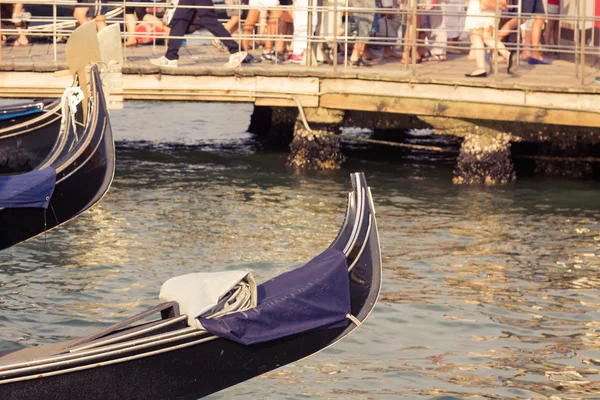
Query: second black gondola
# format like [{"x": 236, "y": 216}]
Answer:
[
  {"x": 71, "y": 177},
  {"x": 297, "y": 314}
]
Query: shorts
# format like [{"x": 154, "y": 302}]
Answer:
[
  {"x": 235, "y": 12},
  {"x": 532, "y": 7},
  {"x": 96, "y": 7},
  {"x": 258, "y": 4},
  {"x": 553, "y": 9}
]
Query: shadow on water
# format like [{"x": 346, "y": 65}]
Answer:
[{"x": 489, "y": 292}]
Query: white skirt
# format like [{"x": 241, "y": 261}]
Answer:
[
  {"x": 476, "y": 18},
  {"x": 260, "y": 4}
]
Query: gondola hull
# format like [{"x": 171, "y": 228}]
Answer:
[
  {"x": 189, "y": 366},
  {"x": 84, "y": 173},
  {"x": 27, "y": 134}
]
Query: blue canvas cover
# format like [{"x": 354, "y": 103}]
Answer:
[
  {"x": 31, "y": 189},
  {"x": 314, "y": 296}
]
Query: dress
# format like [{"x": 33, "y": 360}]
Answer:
[{"x": 476, "y": 18}]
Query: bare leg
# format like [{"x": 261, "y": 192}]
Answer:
[
  {"x": 272, "y": 28},
  {"x": 80, "y": 15},
  {"x": 357, "y": 52},
  {"x": 249, "y": 25},
  {"x": 130, "y": 23},
  {"x": 233, "y": 24},
  {"x": 100, "y": 22},
  {"x": 22, "y": 39},
  {"x": 490, "y": 42},
  {"x": 478, "y": 51},
  {"x": 536, "y": 36}
]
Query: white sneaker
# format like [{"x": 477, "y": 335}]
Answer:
[
  {"x": 235, "y": 60},
  {"x": 24, "y": 16},
  {"x": 164, "y": 62}
]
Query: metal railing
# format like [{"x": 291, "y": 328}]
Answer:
[{"x": 335, "y": 27}]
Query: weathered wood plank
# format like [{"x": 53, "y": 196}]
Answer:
[{"x": 459, "y": 109}]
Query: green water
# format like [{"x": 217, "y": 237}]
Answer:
[{"x": 488, "y": 292}]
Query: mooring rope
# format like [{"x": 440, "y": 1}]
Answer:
[
  {"x": 71, "y": 99},
  {"x": 455, "y": 151}
]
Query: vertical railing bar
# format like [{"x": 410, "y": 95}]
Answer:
[
  {"x": 308, "y": 53},
  {"x": 54, "y": 32},
  {"x": 519, "y": 5},
  {"x": 346, "y": 35},
  {"x": 335, "y": 45},
  {"x": 576, "y": 29},
  {"x": 495, "y": 50},
  {"x": 413, "y": 28},
  {"x": 582, "y": 46}
]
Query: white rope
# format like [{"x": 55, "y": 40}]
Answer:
[
  {"x": 71, "y": 99},
  {"x": 353, "y": 319}
]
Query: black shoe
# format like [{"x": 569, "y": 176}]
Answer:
[
  {"x": 511, "y": 62},
  {"x": 360, "y": 62},
  {"x": 480, "y": 75},
  {"x": 250, "y": 59}
]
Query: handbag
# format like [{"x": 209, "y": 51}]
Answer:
[{"x": 388, "y": 28}]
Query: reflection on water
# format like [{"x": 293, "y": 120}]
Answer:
[{"x": 488, "y": 292}]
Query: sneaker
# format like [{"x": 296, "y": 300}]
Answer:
[
  {"x": 164, "y": 62},
  {"x": 297, "y": 58},
  {"x": 272, "y": 56},
  {"x": 22, "y": 17},
  {"x": 250, "y": 59},
  {"x": 236, "y": 59}
]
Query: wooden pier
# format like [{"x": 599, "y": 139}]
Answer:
[{"x": 543, "y": 94}]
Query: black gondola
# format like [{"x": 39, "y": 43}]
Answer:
[
  {"x": 28, "y": 133},
  {"x": 169, "y": 358},
  {"x": 80, "y": 164}
]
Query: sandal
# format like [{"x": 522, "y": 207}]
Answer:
[
  {"x": 360, "y": 62},
  {"x": 436, "y": 57},
  {"x": 424, "y": 57}
]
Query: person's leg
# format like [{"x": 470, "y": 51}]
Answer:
[
  {"x": 100, "y": 22},
  {"x": 479, "y": 52},
  {"x": 272, "y": 25},
  {"x": 80, "y": 14},
  {"x": 300, "y": 37},
  {"x": 179, "y": 25},
  {"x": 526, "y": 39},
  {"x": 248, "y": 29},
  {"x": 208, "y": 19},
  {"x": 232, "y": 24},
  {"x": 439, "y": 34},
  {"x": 490, "y": 42},
  {"x": 285, "y": 28},
  {"x": 130, "y": 23},
  {"x": 536, "y": 37},
  {"x": 507, "y": 28}
]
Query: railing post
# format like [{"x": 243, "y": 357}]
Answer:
[
  {"x": 413, "y": 28},
  {"x": 308, "y": 53},
  {"x": 576, "y": 32},
  {"x": 54, "y": 32},
  {"x": 582, "y": 46},
  {"x": 519, "y": 3},
  {"x": 335, "y": 43},
  {"x": 495, "y": 49}
]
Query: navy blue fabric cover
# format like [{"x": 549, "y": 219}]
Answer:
[
  {"x": 21, "y": 113},
  {"x": 31, "y": 189},
  {"x": 314, "y": 296}
]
